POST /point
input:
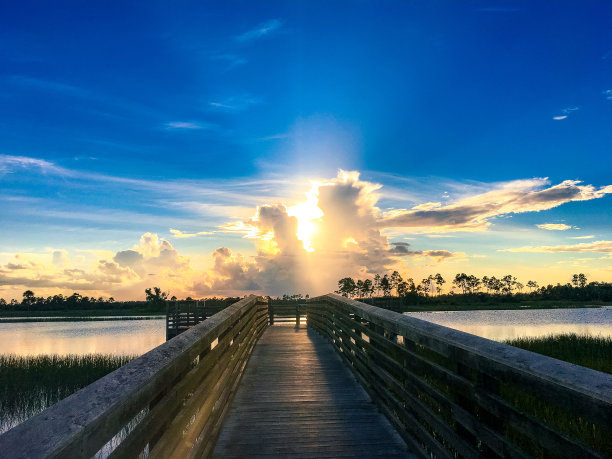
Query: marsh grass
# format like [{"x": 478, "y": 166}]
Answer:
[
  {"x": 29, "y": 384},
  {"x": 593, "y": 352}
]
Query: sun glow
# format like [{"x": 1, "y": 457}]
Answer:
[{"x": 307, "y": 214}]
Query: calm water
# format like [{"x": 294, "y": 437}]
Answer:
[
  {"x": 76, "y": 337},
  {"x": 140, "y": 336},
  {"x": 503, "y": 325}
]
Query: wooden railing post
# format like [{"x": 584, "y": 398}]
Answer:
[{"x": 271, "y": 311}]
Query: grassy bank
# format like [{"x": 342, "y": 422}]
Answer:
[
  {"x": 589, "y": 351},
  {"x": 28, "y": 385}
]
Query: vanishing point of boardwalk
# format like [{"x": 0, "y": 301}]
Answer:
[{"x": 297, "y": 399}]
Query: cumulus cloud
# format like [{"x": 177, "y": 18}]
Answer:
[
  {"x": 153, "y": 261},
  {"x": 554, "y": 226},
  {"x": 474, "y": 213},
  {"x": 305, "y": 245},
  {"x": 596, "y": 246}
]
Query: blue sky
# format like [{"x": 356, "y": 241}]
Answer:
[{"x": 122, "y": 119}]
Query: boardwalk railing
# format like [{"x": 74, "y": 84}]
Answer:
[
  {"x": 286, "y": 313},
  {"x": 168, "y": 402},
  {"x": 182, "y": 315},
  {"x": 453, "y": 394}
]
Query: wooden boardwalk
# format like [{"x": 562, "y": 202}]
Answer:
[{"x": 298, "y": 399}]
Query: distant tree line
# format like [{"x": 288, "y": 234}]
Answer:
[
  {"x": 155, "y": 301},
  {"x": 473, "y": 287}
]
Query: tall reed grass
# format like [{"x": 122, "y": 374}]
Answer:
[
  {"x": 30, "y": 384},
  {"x": 588, "y": 351}
]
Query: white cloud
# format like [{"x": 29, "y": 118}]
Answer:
[
  {"x": 474, "y": 213},
  {"x": 597, "y": 246},
  {"x": 9, "y": 163},
  {"x": 179, "y": 234},
  {"x": 558, "y": 118},
  {"x": 236, "y": 103},
  {"x": 190, "y": 125},
  {"x": 591, "y": 236},
  {"x": 262, "y": 30},
  {"x": 554, "y": 226}
]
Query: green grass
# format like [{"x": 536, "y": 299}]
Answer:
[
  {"x": 28, "y": 385},
  {"x": 594, "y": 352},
  {"x": 589, "y": 351}
]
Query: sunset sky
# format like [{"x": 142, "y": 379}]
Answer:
[{"x": 224, "y": 148}]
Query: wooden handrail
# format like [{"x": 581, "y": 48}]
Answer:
[
  {"x": 171, "y": 399},
  {"x": 451, "y": 393}
]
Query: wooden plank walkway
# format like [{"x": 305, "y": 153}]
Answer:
[{"x": 298, "y": 399}]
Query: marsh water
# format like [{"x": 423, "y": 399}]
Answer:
[
  {"x": 500, "y": 325},
  {"x": 136, "y": 336},
  {"x": 118, "y": 336}
]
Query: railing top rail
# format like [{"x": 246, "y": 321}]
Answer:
[
  {"x": 114, "y": 399},
  {"x": 531, "y": 366}
]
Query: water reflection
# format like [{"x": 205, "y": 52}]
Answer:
[
  {"x": 117, "y": 337},
  {"x": 503, "y": 324}
]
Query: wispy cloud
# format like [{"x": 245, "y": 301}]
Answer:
[
  {"x": 236, "y": 103},
  {"x": 566, "y": 112},
  {"x": 50, "y": 85},
  {"x": 262, "y": 30},
  {"x": 283, "y": 135},
  {"x": 189, "y": 125},
  {"x": 590, "y": 236},
  {"x": 597, "y": 247},
  {"x": 554, "y": 226},
  {"x": 607, "y": 94},
  {"x": 180, "y": 235},
  {"x": 9, "y": 163}
]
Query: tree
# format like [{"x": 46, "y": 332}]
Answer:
[
  {"x": 359, "y": 288},
  {"x": 155, "y": 296},
  {"x": 28, "y": 297},
  {"x": 368, "y": 288},
  {"x": 460, "y": 281},
  {"x": 508, "y": 283},
  {"x": 439, "y": 280},
  {"x": 578, "y": 280},
  {"x": 403, "y": 288},
  {"x": 532, "y": 285},
  {"x": 346, "y": 286},
  {"x": 395, "y": 280},
  {"x": 385, "y": 285},
  {"x": 473, "y": 283},
  {"x": 486, "y": 283},
  {"x": 427, "y": 284},
  {"x": 377, "y": 284}
]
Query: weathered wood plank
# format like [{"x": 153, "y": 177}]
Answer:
[{"x": 297, "y": 398}]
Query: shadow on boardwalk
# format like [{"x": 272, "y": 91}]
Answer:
[{"x": 298, "y": 399}]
